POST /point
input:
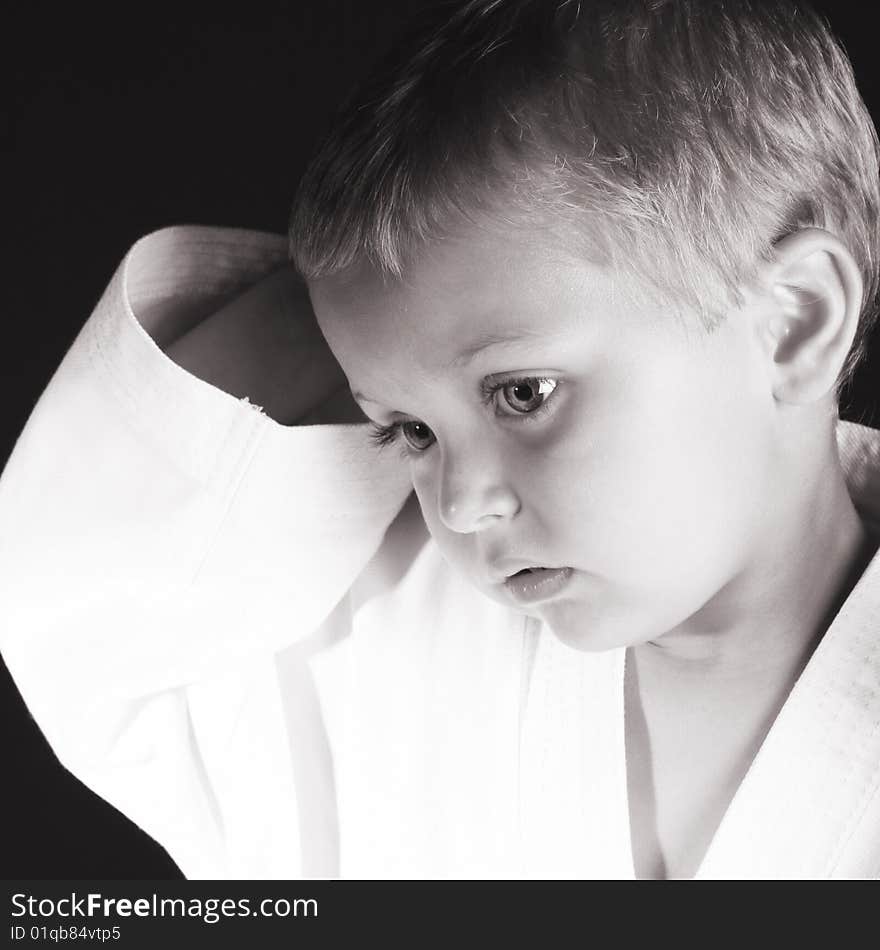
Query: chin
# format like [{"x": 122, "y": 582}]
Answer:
[{"x": 590, "y": 631}]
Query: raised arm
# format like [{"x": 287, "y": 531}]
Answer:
[
  {"x": 161, "y": 541},
  {"x": 265, "y": 344}
]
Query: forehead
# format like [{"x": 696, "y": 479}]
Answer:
[{"x": 481, "y": 288}]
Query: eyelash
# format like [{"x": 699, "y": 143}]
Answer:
[{"x": 384, "y": 435}]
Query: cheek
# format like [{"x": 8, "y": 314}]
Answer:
[
  {"x": 669, "y": 490},
  {"x": 426, "y": 486}
]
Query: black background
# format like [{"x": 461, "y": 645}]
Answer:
[{"x": 125, "y": 122}]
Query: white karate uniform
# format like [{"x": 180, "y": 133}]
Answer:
[{"x": 241, "y": 635}]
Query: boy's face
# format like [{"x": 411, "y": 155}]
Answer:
[{"x": 552, "y": 417}]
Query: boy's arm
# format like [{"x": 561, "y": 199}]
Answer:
[
  {"x": 161, "y": 541},
  {"x": 159, "y": 514},
  {"x": 265, "y": 344}
]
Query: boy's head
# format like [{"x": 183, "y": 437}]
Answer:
[
  {"x": 680, "y": 139},
  {"x": 598, "y": 269}
]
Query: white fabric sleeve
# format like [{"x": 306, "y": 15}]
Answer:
[{"x": 156, "y": 532}]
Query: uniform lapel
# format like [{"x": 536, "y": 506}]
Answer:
[{"x": 800, "y": 806}]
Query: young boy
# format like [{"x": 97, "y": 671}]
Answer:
[{"x": 599, "y": 272}]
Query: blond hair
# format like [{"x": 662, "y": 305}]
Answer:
[{"x": 679, "y": 138}]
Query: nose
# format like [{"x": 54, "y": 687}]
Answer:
[{"x": 475, "y": 492}]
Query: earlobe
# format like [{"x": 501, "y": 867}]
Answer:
[{"x": 814, "y": 304}]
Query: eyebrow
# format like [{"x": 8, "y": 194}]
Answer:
[
  {"x": 469, "y": 353},
  {"x": 494, "y": 341}
]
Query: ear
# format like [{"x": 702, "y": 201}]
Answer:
[{"x": 814, "y": 292}]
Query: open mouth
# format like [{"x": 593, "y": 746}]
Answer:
[
  {"x": 531, "y": 584},
  {"x": 533, "y": 570}
]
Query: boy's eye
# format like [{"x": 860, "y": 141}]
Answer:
[
  {"x": 526, "y": 395},
  {"x": 417, "y": 435}
]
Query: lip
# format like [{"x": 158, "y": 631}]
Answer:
[{"x": 541, "y": 584}]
